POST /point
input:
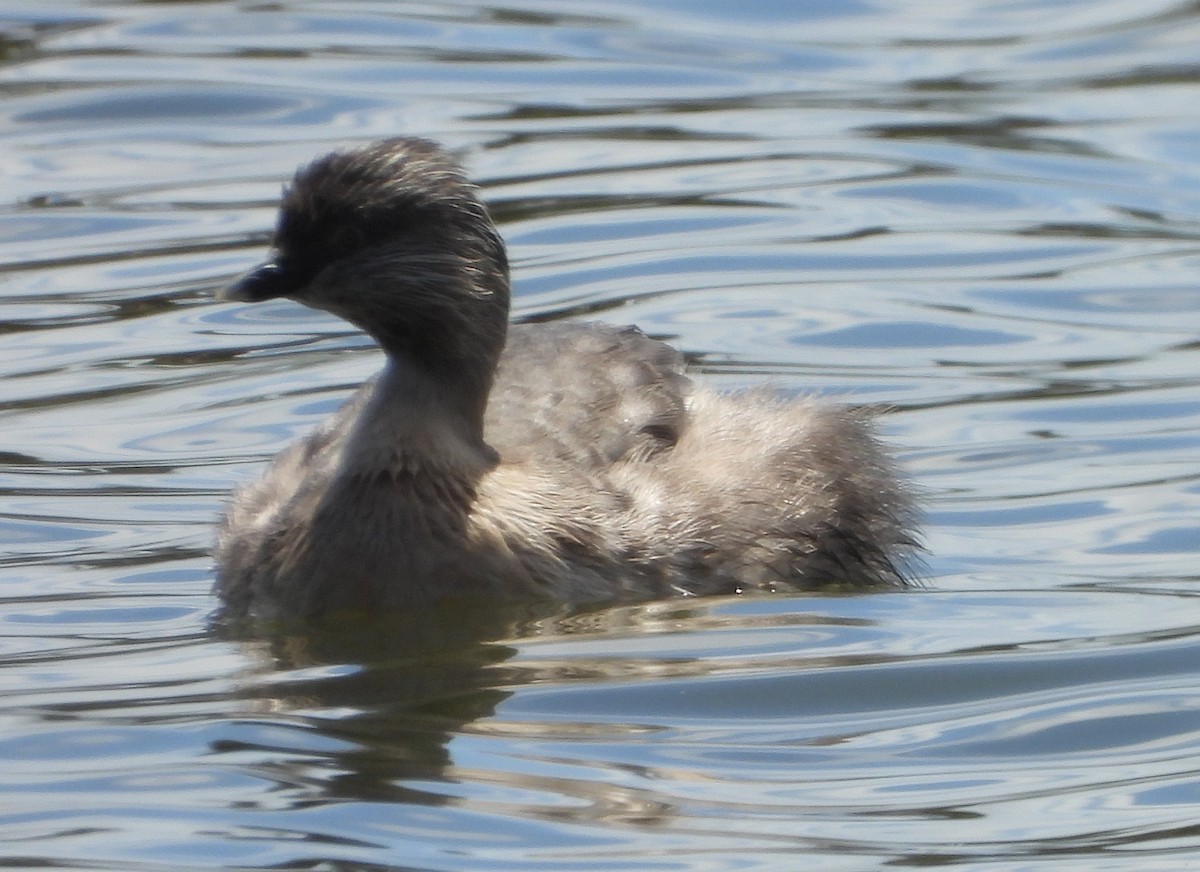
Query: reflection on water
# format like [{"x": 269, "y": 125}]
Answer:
[{"x": 982, "y": 215}]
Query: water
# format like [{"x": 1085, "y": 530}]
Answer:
[{"x": 984, "y": 215}]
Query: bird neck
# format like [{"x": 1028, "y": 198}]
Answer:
[{"x": 414, "y": 422}]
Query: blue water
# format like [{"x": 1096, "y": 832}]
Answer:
[{"x": 983, "y": 215}]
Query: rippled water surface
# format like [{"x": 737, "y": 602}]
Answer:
[{"x": 985, "y": 215}]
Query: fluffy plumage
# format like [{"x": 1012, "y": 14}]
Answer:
[{"x": 575, "y": 462}]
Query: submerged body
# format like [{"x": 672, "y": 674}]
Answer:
[{"x": 573, "y": 462}]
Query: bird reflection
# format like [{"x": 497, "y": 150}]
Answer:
[{"x": 377, "y": 697}]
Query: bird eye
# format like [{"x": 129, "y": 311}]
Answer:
[{"x": 348, "y": 238}]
